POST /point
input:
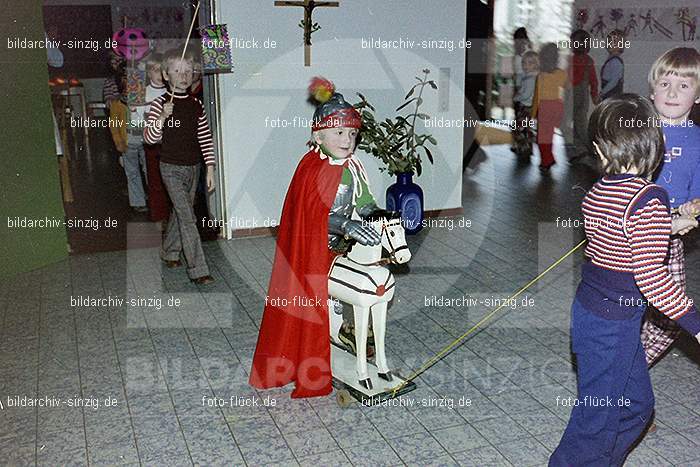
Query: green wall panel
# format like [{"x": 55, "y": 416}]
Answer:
[{"x": 29, "y": 181}]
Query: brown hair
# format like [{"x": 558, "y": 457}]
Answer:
[
  {"x": 175, "y": 54},
  {"x": 681, "y": 61},
  {"x": 628, "y": 133}
]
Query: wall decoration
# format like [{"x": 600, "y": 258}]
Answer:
[{"x": 641, "y": 23}]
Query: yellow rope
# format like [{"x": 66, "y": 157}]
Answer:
[{"x": 444, "y": 351}]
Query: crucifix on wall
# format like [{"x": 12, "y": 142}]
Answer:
[{"x": 307, "y": 23}]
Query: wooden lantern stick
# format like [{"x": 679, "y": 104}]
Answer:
[{"x": 189, "y": 34}]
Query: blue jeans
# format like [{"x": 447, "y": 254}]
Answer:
[
  {"x": 615, "y": 399},
  {"x": 134, "y": 166}
]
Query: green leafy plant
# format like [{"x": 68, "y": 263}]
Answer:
[{"x": 395, "y": 141}]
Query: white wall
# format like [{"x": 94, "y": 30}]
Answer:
[
  {"x": 271, "y": 83},
  {"x": 642, "y": 53}
]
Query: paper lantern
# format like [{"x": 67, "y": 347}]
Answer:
[
  {"x": 216, "y": 49},
  {"x": 131, "y": 43}
]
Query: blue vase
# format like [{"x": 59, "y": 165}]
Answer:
[{"x": 406, "y": 197}]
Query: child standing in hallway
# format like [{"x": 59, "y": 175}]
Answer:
[
  {"x": 178, "y": 121},
  {"x": 548, "y": 103},
  {"x": 129, "y": 143},
  {"x": 584, "y": 89},
  {"x": 612, "y": 73},
  {"x": 524, "y": 133},
  {"x": 158, "y": 202}
]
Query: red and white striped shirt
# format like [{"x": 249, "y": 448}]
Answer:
[
  {"x": 185, "y": 137},
  {"x": 628, "y": 225}
]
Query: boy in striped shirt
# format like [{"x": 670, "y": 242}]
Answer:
[
  {"x": 628, "y": 225},
  {"x": 178, "y": 121}
]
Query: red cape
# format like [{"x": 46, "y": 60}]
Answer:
[{"x": 293, "y": 344}]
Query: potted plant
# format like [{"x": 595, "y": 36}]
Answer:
[{"x": 399, "y": 146}]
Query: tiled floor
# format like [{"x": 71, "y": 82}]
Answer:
[{"x": 165, "y": 368}]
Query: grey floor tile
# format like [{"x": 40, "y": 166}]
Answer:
[
  {"x": 116, "y": 453},
  {"x": 539, "y": 421},
  {"x": 163, "y": 423},
  {"x": 417, "y": 448},
  {"x": 294, "y": 420},
  {"x": 459, "y": 438},
  {"x": 331, "y": 458},
  {"x": 266, "y": 451},
  {"x": 514, "y": 402},
  {"x": 493, "y": 384},
  {"x": 642, "y": 456},
  {"x": 479, "y": 457},
  {"x": 378, "y": 453},
  {"x": 394, "y": 422},
  {"x": 163, "y": 450},
  {"x": 674, "y": 447},
  {"x": 500, "y": 430},
  {"x": 150, "y": 404},
  {"x": 693, "y": 434},
  {"x": 442, "y": 461},
  {"x": 525, "y": 452},
  {"x": 677, "y": 417},
  {"x": 479, "y": 408},
  {"x": 18, "y": 422},
  {"x": 67, "y": 438},
  {"x": 59, "y": 418},
  {"x": 353, "y": 432},
  {"x": 433, "y": 418},
  {"x": 226, "y": 454},
  {"x": 247, "y": 430},
  {"x": 20, "y": 453},
  {"x": 105, "y": 428},
  {"x": 311, "y": 442},
  {"x": 53, "y": 455},
  {"x": 550, "y": 440}
]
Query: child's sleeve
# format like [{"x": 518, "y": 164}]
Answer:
[
  {"x": 110, "y": 91},
  {"x": 649, "y": 231},
  {"x": 612, "y": 74},
  {"x": 117, "y": 125},
  {"x": 536, "y": 97},
  {"x": 593, "y": 79},
  {"x": 153, "y": 133},
  {"x": 694, "y": 188},
  {"x": 206, "y": 144}
]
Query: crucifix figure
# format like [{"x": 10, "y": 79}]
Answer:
[{"x": 307, "y": 24}]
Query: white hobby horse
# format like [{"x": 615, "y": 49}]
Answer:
[{"x": 360, "y": 279}]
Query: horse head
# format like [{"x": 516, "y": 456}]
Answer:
[{"x": 388, "y": 224}]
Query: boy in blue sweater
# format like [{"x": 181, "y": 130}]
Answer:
[
  {"x": 674, "y": 79},
  {"x": 628, "y": 223}
]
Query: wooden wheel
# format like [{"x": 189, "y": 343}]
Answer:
[{"x": 343, "y": 398}]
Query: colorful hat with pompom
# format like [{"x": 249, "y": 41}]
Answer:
[{"x": 331, "y": 109}]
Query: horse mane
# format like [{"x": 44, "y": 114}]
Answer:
[{"x": 381, "y": 214}]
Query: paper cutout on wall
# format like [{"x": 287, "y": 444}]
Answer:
[
  {"x": 216, "y": 49},
  {"x": 642, "y": 23}
]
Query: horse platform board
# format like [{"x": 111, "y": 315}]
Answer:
[{"x": 343, "y": 364}]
